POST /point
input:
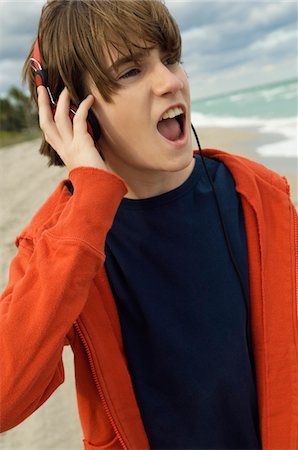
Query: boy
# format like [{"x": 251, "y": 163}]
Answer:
[{"x": 127, "y": 260}]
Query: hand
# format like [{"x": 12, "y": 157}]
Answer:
[{"x": 71, "y": 141}]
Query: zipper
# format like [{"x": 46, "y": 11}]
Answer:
[
  {"x": 296, "y": 258},
  {"x": 296, "y": 255},
  {"x": 97, "y": 383}
]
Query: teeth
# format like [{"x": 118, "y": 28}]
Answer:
[{"x": 172, "y": 113}]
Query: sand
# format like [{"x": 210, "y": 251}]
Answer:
[{"x": 25, "y": 183}]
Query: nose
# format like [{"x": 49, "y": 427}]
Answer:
[{"x": 166, "y": 80}]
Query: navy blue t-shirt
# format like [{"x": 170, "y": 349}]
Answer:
[{"x": 183, "y": 315}]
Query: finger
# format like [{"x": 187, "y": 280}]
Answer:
[
  {"x": 44, "y": 108},
  {"x": 46, "y": 121},
  {"x": 80, "y": 118},
  {"x": 61, "y": 118}
]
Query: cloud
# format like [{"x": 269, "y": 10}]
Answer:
[
  {"x": 7, "y": 67},
  {"x": 248, "y": 13},
  {"x": 222, "y": 40},
  {"x": 18, "y": 27},
  {"x": 231, "y": 45}
]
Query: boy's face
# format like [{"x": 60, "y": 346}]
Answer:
[{"x": 134, "y": 143}]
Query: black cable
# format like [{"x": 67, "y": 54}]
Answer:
[{"x": 229, "y": 246}]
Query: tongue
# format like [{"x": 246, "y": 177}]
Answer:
[{"x": 169, "y": 128}]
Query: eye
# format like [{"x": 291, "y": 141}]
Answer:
[{"x": 130, "y": 73}]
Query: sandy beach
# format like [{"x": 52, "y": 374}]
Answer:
[{"x": 25, "y": 183}]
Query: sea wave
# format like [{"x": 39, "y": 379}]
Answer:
[{"x": 286, "y": 127}]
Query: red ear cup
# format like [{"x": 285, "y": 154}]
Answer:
[{"x": 93, "y": 127}]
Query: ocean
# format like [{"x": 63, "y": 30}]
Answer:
[{"x": 272, "y": 109}]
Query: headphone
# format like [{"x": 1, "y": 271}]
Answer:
[{"x": 41, "y": 79}]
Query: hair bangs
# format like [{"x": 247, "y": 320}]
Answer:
[{"x": 150, "y": 25}]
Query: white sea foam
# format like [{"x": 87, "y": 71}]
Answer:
[
  {"x": 286, "y": 127},
  {"x": 286, "y": 147}
]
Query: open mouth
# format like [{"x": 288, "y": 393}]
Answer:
[{"x": 172, "y": 124}]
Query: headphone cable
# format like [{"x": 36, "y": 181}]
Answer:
[{"x": 229, "y": 246}]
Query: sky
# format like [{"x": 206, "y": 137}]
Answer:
[{"x": 227, "y": 45}]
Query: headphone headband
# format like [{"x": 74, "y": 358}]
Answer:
[
  {"x": 36, "y": 52},
  {"x": 41, "y": 79},
  {"x": 41, "y": 76}
]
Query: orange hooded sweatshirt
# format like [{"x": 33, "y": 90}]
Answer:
[{"x": 58, "y": 293}]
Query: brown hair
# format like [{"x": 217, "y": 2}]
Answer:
[{"x": 75, "y": 35}]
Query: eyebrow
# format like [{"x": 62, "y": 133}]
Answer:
[{"x": 127, "y": 59}]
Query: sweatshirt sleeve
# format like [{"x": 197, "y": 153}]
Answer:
[{"x": 48, "y": 286}]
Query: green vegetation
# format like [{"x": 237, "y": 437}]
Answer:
[
  {"x": 8, "y": 138},
  {"x": 18, "y": 118}
]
